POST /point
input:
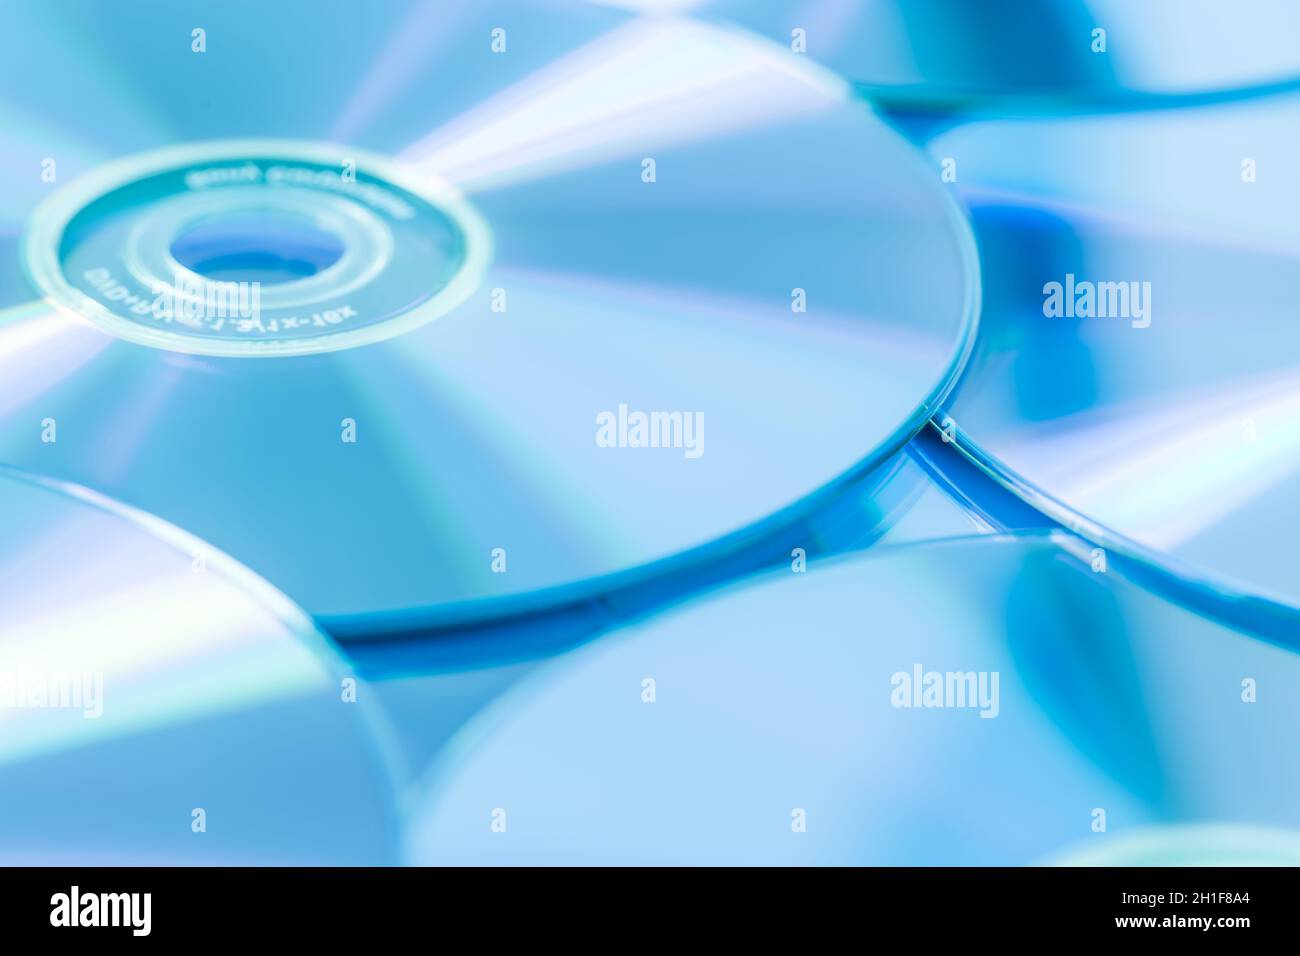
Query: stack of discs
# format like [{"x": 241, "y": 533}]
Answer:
[{"x": 446, "y": 321}]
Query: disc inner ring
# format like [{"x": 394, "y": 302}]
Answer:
[
  {"x": 366, "y": 243},
  {"x": 257, "y": 248}
]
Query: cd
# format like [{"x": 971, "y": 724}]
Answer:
[
  {"x": 983, "y": 701},
  {"x": 935, "y": 56},
  {"x": 160, "y": 705},
  {"x": 467, "y": 309},
  {"x": 1135, "y": 375}
]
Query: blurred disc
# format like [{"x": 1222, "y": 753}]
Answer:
[
  {"x": 1194, "y": 845},
  {"x": 1137, "y": 373},
  {"x": 1025, "y": 55},
  {"x": 584, "y": 234},
  {"x": 984, "y": 701},
  {"x": 159, "y": 705}
]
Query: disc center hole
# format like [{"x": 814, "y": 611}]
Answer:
[{"x": 267, "y": 246}]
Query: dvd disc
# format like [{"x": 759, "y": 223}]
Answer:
[
  {"x": 600, "y": 296},
  {"x": 983, "y": 701},
  {"x": 159, "y": 705},
  {"x": 1028, "y": 56},
  {"x": 1136, "y": 374}
]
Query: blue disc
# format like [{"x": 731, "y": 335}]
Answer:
[
  {"x": 1135, "y": 375},
  {"x": 1025, "y": 56},
  {"x": 987, "y": 701},
  {"x": 550, "y": 299},
  {"x": 160, "y": 705}
]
